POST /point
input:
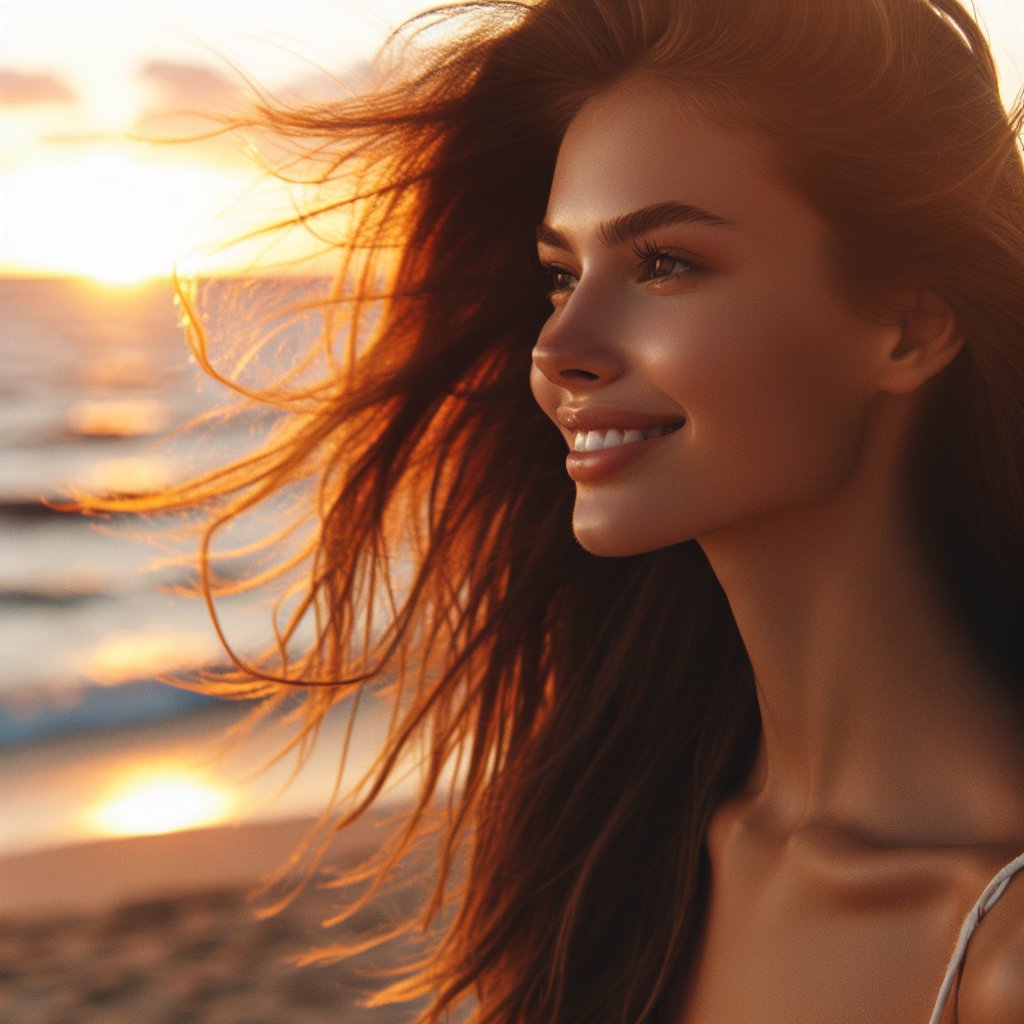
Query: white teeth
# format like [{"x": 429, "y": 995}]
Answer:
[{"x": 598, "y": 440}]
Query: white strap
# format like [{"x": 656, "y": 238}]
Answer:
[{"x": 986, "y": 901}]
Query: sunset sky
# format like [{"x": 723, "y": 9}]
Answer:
[{"x": 78, "y": 198}]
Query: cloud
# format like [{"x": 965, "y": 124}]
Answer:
[
  {"x": 203, "y": 105},
  {"x": 188, "y": 86},
  {"x": 183, "y": 101},
  {"x": 22, "y": 88}
]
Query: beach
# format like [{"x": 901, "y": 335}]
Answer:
[
  {"x": 163, "y": 930},
  {"x": 168, "y": 928},
  {"x": 135, "y": 820}
]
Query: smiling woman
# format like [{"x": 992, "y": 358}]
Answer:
[
  {"x": 724, "y": 328},
  {"x": 758, "y": 765}
]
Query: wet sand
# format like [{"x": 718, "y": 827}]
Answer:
[{"x": 161, "y": 930}]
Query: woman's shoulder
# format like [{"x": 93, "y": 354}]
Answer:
[{"x": 991, "y": 988}]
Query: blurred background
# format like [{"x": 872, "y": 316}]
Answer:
[
  {"x": 115, "y": 788},
  {"x": 131, "y": 828},
  {"x": 96, "y": 211}
]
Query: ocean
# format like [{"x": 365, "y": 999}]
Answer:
[
  {"x": 97, "y": 388},
  {"x": 97, "y": 381}
]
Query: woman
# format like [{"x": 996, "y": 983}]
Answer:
[{"x": 743, "y": 744}]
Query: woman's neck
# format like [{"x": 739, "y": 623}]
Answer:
[{"x": 879, "y": 714}]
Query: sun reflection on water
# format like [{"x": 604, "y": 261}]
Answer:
[
  {"x": 160, "y": 800},
  {"x": 135, "y": 474},
  {"x": 146, "y": 653},
  {"x": 125, "y": 417}
]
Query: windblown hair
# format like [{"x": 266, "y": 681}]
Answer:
[{"x": 597, "y": 710}]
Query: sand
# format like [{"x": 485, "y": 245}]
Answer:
[{"x": 159, "y": 930}]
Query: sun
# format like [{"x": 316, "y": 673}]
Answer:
[
  {"x": 134, "y": 221},
  {"x": 125, "y": 212},
  {"x": 161, "y": 799},
  {"x": 110, "y": 213}
]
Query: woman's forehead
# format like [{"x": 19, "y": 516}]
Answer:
[{"x": 641, "y": 144}]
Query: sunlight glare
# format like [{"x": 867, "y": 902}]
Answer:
[
  {"x": 159, "y": 801},
  {"x": 110, "y": 213},
  {"x": 146, "y": 653},
  {"x": 122, "y": 417},
  {"x": 133, "y": 474}
]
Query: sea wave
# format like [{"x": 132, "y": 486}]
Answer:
[
  {"x": 32, "y": 716},
  {"x": 97, "y": 388},
  {"x": 33, "y": 597}
]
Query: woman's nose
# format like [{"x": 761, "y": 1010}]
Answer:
[{"x": 571, "y": 357}]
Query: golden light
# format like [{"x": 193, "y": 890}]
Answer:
[
  {"x": 116, "y": 213},
  {"x": 122, "y": 417},
  {"x": 125, "y": 657},
  {"x": 159, "y": 801},
  {"x": 133, "y": 474}
]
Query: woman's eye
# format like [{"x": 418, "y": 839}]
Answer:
[
  {"x": 658, "y": 266},
  {"x": 558, "y": 279},
  {"x": 664, "y": 266},
  {"x": 654, "y": 265}
]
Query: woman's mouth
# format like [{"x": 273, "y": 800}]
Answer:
[
  {"x": 599, "y": 440},
  {"x": 599, "y": 453}
]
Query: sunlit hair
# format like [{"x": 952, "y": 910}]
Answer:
[{"x": 597, "y": 710}]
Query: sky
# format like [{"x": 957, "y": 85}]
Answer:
[{"x": 79, "y": 198}]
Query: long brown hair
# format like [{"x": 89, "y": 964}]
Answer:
[{"x": 596, "y": 710}]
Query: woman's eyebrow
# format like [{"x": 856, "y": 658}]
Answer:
[{"x": 627, "y": 226}]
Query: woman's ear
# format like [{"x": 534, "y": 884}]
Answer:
[{"x": 929, "y": 340}]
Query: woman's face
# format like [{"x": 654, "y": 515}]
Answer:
[{"x": 698, "y": 347}]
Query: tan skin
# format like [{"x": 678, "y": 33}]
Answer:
[{"x": 889, "y": 785}]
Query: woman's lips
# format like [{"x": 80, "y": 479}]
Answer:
[
  {"x": 618, "y": 449},
  {"x": 576, "y": 418}
]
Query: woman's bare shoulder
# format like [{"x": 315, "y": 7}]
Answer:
[{"x": 992, "y": 983}]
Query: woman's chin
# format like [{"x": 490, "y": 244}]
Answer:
[{"x": 614, "y": 540}]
